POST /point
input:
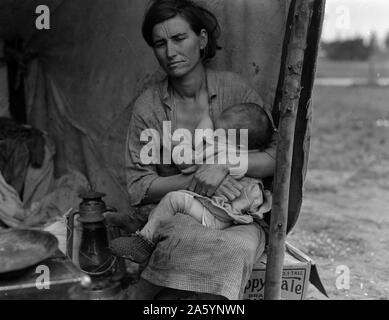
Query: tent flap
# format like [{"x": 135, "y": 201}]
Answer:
[{"x": 93, "y": 63}]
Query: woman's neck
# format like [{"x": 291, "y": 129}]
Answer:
[{"x": 191, "y": 85}]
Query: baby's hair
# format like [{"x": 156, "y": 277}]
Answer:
[{"x": 248, "y": 116}]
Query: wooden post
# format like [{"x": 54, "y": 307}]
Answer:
[{"x": 288, "y": 111}]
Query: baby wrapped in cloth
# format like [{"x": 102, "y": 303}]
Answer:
[{"x": 216, "y": 212}]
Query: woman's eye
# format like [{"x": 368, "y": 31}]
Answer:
[
  {"x": 180, "y": 38},
  {"x": 159, "y": 44}
]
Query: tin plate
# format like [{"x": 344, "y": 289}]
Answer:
[{"x": 23, "y": 248}]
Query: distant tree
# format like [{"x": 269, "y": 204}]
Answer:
[
  {"x": 350, "y": 49},
  {"x": 387, "y": 42},
  {"x": 373, "y": 44},
  {"x": 374, "y": 49}
]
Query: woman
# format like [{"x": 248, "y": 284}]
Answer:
[{"x": 190, "y": 257}]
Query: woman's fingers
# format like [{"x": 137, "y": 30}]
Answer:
[
  {"x": 207, "y": 190},
  {"x": 206, "y": 182},
  {"x": 192, "y": 185},
  {"x": 233, "y": 189},
  {"x": 227, "y": 193},
  {"x": 230, "y": 188},
  {"x": 211, "y": 191},
  {"x": 198, "y": 189},
  {"x": 207, "y": 178},
  {"x": 234, "y": 183}
]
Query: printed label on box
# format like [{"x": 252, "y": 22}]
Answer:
[{"x": 294, "y": 283}]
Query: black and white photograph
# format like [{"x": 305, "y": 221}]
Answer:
[{"x": 194, "y": 151}]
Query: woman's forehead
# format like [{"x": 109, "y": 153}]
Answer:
[{"x": 171, "y": 27}]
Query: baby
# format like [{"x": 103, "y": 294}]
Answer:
[{"x": 216, "y": 212}]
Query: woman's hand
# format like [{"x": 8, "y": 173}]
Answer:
[
  {"x": 207, "y": 179},
  {"x": 229, "y": 188}
]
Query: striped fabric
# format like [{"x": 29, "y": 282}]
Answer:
[{"x": 195, "y": 258}]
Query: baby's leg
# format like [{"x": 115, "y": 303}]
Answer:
[
  {"x": 174, "y": 202},
  {"x": 140, "y": 245}
]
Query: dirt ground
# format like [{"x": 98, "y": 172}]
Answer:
[{"x": 344, "y": 222}]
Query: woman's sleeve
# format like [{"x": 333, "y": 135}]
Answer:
[
  {"x": 252, "y": 96},
  {"x": 139, "y": 175}
]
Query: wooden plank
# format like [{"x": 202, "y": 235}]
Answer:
[
  {"x": 288, "y": 112},
  {"x": 302, "y": 132}
]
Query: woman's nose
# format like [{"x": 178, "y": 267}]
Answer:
[{"x": 170, "y": 50}]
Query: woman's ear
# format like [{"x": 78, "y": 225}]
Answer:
[{"x": 203, "y": 39}]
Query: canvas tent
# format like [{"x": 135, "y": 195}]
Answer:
[
  {"x": 83, "y": 74},
  {"x": 92, "y": 63}
]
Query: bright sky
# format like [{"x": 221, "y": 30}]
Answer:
[{"x": 349, "y": 18}]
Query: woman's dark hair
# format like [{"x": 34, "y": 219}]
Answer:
[{"x": 197, "y": 16}]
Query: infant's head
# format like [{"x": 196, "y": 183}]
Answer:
[{"x": 248, "y": 116}]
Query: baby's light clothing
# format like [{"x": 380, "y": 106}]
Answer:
[
  {"x": 216, "y": 212},
  {"x": 252, "y": 203},
  {"x": 179, "y": 202}
]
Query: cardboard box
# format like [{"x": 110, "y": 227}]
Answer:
[{"x": 295, "y": 276}]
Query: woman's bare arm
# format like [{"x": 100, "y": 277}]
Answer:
[
  {"x": 261, "y": 165},
  {"x": 162, "y": 185}
]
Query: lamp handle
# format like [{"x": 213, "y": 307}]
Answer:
[{"x": 69, "y": 234}]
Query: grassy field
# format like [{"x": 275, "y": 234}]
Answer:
[
  {"x": 352, "y": 69},
  {"x": 345, "y": 215},
  {"x": 346, "y": 132}
]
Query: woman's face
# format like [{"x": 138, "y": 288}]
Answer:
[{"x": 177, "y": 47}]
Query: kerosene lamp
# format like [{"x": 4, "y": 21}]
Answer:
[{"x": 94, "y": 256}]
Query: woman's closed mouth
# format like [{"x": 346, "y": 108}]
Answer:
[{"x": 173, "y": 64}]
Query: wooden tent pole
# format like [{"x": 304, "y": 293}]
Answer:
[{"x": 288, "y": 112}]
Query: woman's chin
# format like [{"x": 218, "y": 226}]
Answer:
[
  {"x": 177, "y": 73},
  {"x": 180, "y": 71}
]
